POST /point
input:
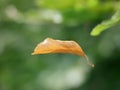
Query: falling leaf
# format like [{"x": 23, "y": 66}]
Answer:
[{"x": 50, "y": 45}]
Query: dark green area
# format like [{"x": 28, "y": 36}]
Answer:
[{"x": 25, "y": 23}]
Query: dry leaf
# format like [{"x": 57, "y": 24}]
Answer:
[{"x": 50, "y": 45}]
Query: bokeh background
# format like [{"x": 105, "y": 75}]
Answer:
[{"x": 25, "y": 23}]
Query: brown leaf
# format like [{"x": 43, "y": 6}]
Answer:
[{"x": 50, "y": 45}]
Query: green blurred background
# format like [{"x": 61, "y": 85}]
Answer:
[{"x": 25, "y": 23}]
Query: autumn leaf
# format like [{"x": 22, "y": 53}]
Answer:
[{"x": 50, "y": 45}]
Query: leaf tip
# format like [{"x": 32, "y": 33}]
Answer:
[
  {"x": 94, "y": 33},
  {"x": 33, "y": 53}
]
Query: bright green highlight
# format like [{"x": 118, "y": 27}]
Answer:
[{"x": 106, "y": 24}]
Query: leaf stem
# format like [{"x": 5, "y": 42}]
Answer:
[{"x": 89, "y": 62}]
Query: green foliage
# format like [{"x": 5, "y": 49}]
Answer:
[
  {"x": 106, "y": 24},
  {"x": 25, "y": 23}
]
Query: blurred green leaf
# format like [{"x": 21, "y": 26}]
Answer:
[
  {"x": 23, "y": 23},
  {"x": 106, "y": 24}
]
